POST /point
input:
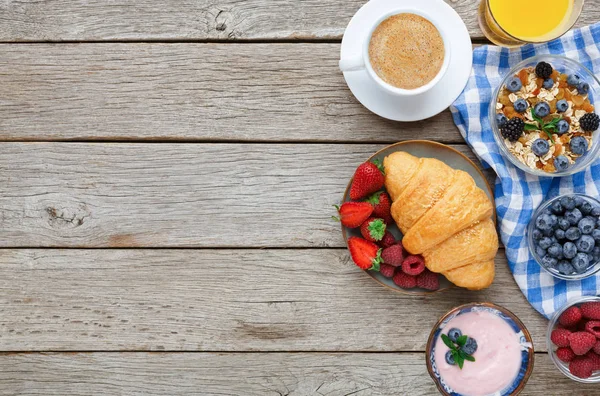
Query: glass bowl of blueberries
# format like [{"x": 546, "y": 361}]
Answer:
[
  {"x": 564, "y": 236},
  {"x": 543, "y": 116}
]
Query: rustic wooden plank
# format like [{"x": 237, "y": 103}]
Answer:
[
  {"x": 293, "y": 374},
  {"x": 174, "y": 195},
  {"x": 60, "y": 20},
  {"x": 206, "y": 92},
  {"x": 220, "y": 300}
]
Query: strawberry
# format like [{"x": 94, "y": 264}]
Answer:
[
  {"x": 560, "y": 337},
  {"x": 565, "y": 354},
  {"x": 368, "y": 178},
  {"x": 593, "y": 327},
  {"x": 387, "y": 270},
  {"x": 581, "y": 367},
  {"x": 581, "y": 342},
  {"x": 428, "y": 280},
  {"x": 591, "y": 310},
  {"x": 405, "y": 281},
  {"x": 394, "y": 255},
  {"x": 353, "y": 214},
  {"x": 373, "y": 229},
  {"x": 413, "y": 265},
  {"x": 381, "y": 203},
  {"x": 365, "y": 254},
  {"x": 387, "y": 240},
  {"x": 570, "y": 317}
]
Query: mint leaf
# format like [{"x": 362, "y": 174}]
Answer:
[
  {"x": 462, "y": 340},
  {"x": 530, "y": 127},
  {"x": 469, "y": 358},
  {"x": 462, "y": 353},
  {"x": 460, "y": 362},
  {"x": 538, "y": 119},
  {"x": 448, "y": 343}
]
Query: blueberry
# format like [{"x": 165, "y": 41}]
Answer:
[
  {"x": 596, "y": 212},
  {"x": 556, "y": 208},
  {"x": 581, "y": 262},
  {"x": 537, "y": 234},
  {"x": 569, "y": 250},
  {"x": 573, "y": 79},
  {"x": 454, "y": 333},
  {"x": 541, "y": 109},
  {"x": 596, "y": 235},
  {"x": 561, "y": 163},
  {"x": 545, "y": 242},
  {"x": 596, "y": 254},
  {"x": 540, "y": 147},
  {"x": 559, "y": 234},
  {"x": 450, "y": 358},
  {"x": 501, "y": 120},
  {"x": 548, "y": 83},
  {"x": 470, "y": 346},
  {"x": 562, "y": 106},
  {"x": 586, "y": 225},
  {"x": 586, "y": 244},
  {"x": 578, "y": 145},
  {"x": 520, "y": 105},
  {"x": 573, "y": 216},
  {"x": 562, "y": 127},
  {"x": 568, "y": 203},
  {"x": 555, "y": 250},
  {"x": 540, "y": 252},
  {"x": 563, "y": 224},
  {"x": 549, "y": 261},
  {"x": 586, "y": 207},
  {"x": 583, "y": 88},
  {"x": 514, "y": 84},
  {"x": 578, "y": 201},
  {"x": 573, "y": 234},
  {"x": 544, "y": 222},
  {"x": 565, "y": 268}
]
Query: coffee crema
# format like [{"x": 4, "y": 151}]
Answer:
[{"x": 406, "y": 51}]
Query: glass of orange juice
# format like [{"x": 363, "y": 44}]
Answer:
[{"x": 511, "y": 23}]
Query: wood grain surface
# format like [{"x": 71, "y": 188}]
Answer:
[
  {"x": 221, "y": 300},
  {"x": 200, "y": 92},
  {"x": 59, "y": 20},
  {"x": 175, "y": 195},
  {"x": 264, "y": 374}
]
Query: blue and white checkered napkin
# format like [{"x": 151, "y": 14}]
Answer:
[{"x": 517, "y": 193}]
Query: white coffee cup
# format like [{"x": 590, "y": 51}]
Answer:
[{"x": 362, "y": 62}]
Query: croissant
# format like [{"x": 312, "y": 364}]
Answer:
[{"x": 444, "y": 216}]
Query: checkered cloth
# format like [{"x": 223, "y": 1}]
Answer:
[{"x": 517, "y": 193}]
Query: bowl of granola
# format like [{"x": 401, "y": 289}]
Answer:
[{"x": 543, "y": 116}]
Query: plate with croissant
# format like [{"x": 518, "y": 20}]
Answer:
[{"x": 418, "y": 216}]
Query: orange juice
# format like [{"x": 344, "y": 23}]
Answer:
[{"x": 531, "y": 20}]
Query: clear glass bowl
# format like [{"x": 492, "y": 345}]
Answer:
[
  {"x": 562, "y": 366},
  {"x": 563, "y": 65},
  {"x": 591, "y": 271}
]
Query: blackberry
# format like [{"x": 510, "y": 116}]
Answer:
[
  {"x": 543, "y": 70},
  {"x": 513, "y": 129},
  {"x": 589, "y": 122}
]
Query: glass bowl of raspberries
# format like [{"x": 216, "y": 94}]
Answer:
[
  {"x": 564, "y": 236},
  {"x": 543, "y": 116},
  {"x": 574, "y": 339}
]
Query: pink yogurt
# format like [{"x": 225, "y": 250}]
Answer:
[{"x": 497, "y": 358}]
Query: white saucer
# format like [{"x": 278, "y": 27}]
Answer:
[{"x": 428, "y": 103}]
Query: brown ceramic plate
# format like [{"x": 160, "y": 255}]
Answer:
[{"x": 427, "y": 149}]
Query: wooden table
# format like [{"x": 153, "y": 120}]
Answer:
[{"x": 167, "y": 170}]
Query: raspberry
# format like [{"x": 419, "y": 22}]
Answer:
[
  {"x": 595, "y": 359},
  {"x": 593, "y": 327},
  {"x": 428, "y": 280},
  {"x": 581, "y": 342},
  {"x": 387, "y": 240},
  {"x": 413, "y": 265},
  {"x": 387, "y": 270},
  {"x": 570, "y": 317},
  {"x": 394, "y": 255},
  {"x": 560, "y": 337},
  {"x": 565, "y": 354},
  {"x": 405, "y": 281},
  {"x": 591, "y": 310},
  {"x": 597, "y": 347},
  {"x": 581, "y": 367}
]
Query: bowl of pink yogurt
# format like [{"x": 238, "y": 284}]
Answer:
[{"x": 491, "y": 344}]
